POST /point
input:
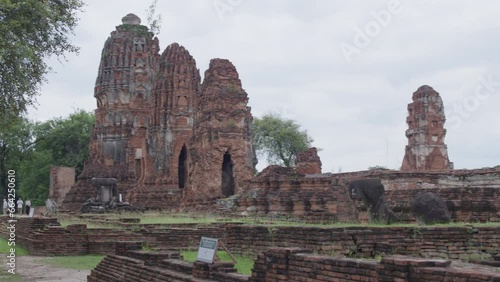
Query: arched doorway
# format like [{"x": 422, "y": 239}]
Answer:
[
  {"x": 227, "y": 176},
  {"x": 138, "y": 169},
  {"x": 182, "y": 167}
]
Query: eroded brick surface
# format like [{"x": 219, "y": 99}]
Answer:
[
  {"x": 426, "y": 149},
  {"x": 163, "y": 134},
  {"x": 308, "y": 162}
]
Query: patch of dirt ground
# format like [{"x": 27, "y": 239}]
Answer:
[{"x": 33, "y": 268}]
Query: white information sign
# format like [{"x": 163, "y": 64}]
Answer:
[
  {"x": 32, "y": 211},
  {"x": 207, "y": 249}
]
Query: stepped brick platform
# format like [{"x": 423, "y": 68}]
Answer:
[
  {"x": 408, "y": 253},
  {"x": 287, "y": 264},
  {"x": 453, "y": 242},
  {"x": 295, "y": 264},
  {"x": 131, "y": 264},
  {"x": 42, "y": 236}
]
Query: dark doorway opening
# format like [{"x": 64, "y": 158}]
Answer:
[
  {"x": 182, "y": 168},
  {"x": 138, "y": 169},
  {"x": 227, "y": 176}
]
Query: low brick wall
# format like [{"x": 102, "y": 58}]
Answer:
[
  {"x": 440, "y": 242},
  {"x": 57, "y": 240},
  {"x": 44, "y": 236},
  {"x": 294, "y": 265},
  {"x": 470, "y": 195},
  {"x": 293, "y": 262},
  {"x": 130, "y": 264},
  {"x": 443, "y": 242},
  {"x": 316, "y": 199},
  {"x": 466, "y": 204},
  {"x": 285, "y": 264}
]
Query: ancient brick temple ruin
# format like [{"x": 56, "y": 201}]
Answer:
[
  {"x": 161, "y": 132},
  {"x": 426, "y": 149},
  {"x": 173, "y": 141}
]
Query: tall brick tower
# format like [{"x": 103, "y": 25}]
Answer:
[
  {"x": 426, "y": 149},
  {"x": 123, "y": 89},
  {"x": 222, "y": 155},
  {"x": 172, "y": 114}
]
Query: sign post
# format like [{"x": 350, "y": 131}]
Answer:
[{"x": 208, "y": 249}]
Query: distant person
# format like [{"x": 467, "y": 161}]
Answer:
[
  {"x": 28, "y": 206},
  {"x": 5, "y": 206},
  {"x": 51, "y": 207},
  {"x": 20, "y": 206}
]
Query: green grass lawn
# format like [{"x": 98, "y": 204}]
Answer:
[
  {"x": 75, "y": 262},
  {"x": 152, "y": 217},
  {"x": 244, "y": 265},
  {"x": 5, "y": 248},
  {"x": 165, "y": 219}
]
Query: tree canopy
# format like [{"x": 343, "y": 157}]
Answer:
[
  {"x": 16, "y": 144},
  {"x": 154, "y": 20},
  {"x": 279, "y": 139},
  {"x": 30, "y": 148},
  {"x": 31, "y": 31}
]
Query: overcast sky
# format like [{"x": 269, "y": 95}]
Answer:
[{"x": 344, "y": 70}]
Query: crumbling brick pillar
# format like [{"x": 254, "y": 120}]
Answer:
[
  {"x": 426, "y": 149},
  {"x": 308, "y": 162}
]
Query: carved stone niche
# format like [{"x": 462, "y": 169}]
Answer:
[{"x": 105, "y": 189}]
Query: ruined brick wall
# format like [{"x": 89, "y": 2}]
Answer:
[
  {"x": 61, "y": 180},
  {"x": 308, "y": 162},
  {"x": 431, "y": 242},
  {"x": 316, "y": 198},
  {"x": 287, "y": 264},
  {"x": 132, "y": 264},
  {"x": 44, "y": 236},
  {"x": 294, "y": 264},
  {"x": 426, "y": 149},
  {"x": 471, "y": 195},
  {"x": 423, "y": 244}
]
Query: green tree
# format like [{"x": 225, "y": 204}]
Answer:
[
  {"x": 67, "y": 138},
  {"x": 153, "y": 19},
  {"x": 16, "y": 145},
  {"x": 61, "y": 142},
  {"x": 35, "y": 177},
  {"x": 279, "y": 139},
  {"x": 31, "y": 32}
]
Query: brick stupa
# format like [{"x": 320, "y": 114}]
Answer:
[{"x": 426, "y": 150}]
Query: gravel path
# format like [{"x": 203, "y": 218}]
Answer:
[{"x": 32, "y": 268}]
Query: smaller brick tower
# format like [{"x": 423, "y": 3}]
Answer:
[{"x": 426, "y": 149}]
